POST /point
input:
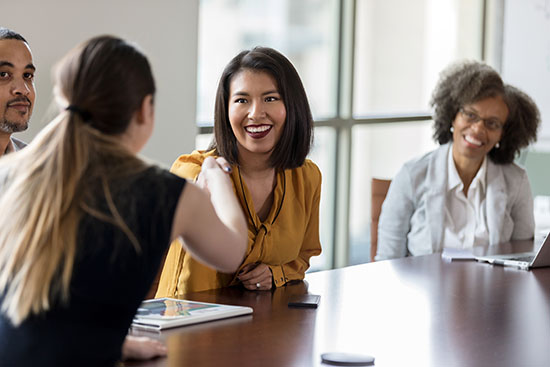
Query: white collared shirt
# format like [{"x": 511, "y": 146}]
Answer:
[
  {"x": 14, "y": 145},
  {"x": 10, "y": 148},
  {"x": 465, "y": 216}
]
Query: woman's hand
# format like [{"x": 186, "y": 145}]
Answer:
[
  {"x": 142, "y": 348},
  {"x": 256, "y": 277},
  {"x": 202, "y": 180},
  {"x": 211, "y": 221}
]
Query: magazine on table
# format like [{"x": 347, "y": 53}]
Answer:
[{"x": 164, "y": 313}]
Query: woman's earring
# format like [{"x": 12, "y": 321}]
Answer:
[
  {"x": 497, "y": 145},
  {"x": 452, "y": 129}
]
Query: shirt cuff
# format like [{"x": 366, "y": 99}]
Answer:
[{"x": 279, "y": 278}]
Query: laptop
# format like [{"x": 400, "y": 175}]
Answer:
[{"x": 524, "y": 260}]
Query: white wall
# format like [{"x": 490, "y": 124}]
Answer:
[
  {"x": 165, "y": 30},
  {"x": 526, "y": 56}
]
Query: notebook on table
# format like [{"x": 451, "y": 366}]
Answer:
[
  {"x": 524, "y": 260},
  {"x": 163, "y": 313}
]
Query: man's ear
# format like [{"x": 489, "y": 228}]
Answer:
[{"x": 146, "y": 112}]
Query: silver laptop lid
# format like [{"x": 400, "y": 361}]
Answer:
[
  {"x": 535, "y": 260},
  {"x": 542, "y": 258}
]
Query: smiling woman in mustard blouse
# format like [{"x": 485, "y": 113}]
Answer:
[{"x": 263, "y": 127}]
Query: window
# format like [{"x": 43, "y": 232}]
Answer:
[
  {"x": 401, "y": 46},
  {"x": 368, "y": 67},
  {"x": 398, "y": 57},
  {"x": 379, "y": 150},
  {"x": 305, "y": 31}
]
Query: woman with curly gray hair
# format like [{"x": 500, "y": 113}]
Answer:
[{"x": 469, "y": 191}]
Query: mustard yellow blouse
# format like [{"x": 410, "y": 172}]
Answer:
[{"x": 285, "y": 241}]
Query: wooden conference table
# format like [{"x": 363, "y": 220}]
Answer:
[{"x": 420, "y": 311}]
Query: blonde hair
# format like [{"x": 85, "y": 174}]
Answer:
[{"x": 46, "y": 188}]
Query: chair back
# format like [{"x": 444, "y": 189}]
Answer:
[{"x": 379, "y": 189}]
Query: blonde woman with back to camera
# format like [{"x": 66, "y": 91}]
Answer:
[{"x": 87, "y": 221}]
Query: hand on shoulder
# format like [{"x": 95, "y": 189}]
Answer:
[{"x": 213, "y": 169}]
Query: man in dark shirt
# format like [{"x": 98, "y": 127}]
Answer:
[{"x": 17, "y": 90}]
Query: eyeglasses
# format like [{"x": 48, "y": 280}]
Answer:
[{"x": 473, "y": 118}]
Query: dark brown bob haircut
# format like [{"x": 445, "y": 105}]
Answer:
[
  {"x": 297, "y": 136},
  {"x": 468, "y": 82}
]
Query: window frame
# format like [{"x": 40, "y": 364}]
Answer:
[{"x": 344, "y": 121}]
